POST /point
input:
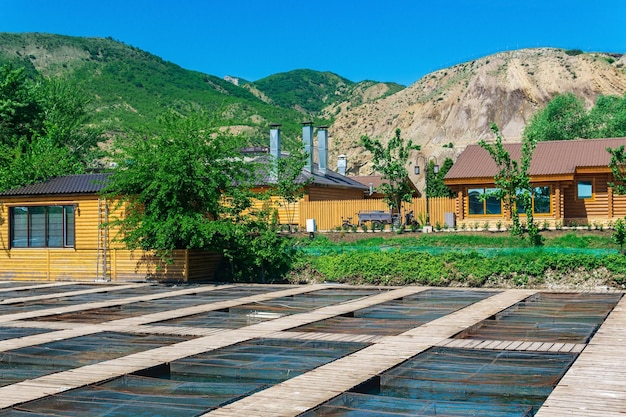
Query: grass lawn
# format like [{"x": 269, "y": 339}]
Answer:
[{"x": 580, "y": 259}]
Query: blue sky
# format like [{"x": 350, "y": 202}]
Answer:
[{"x": 391, "y": 40}]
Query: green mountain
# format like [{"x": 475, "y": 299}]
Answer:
[
  {"x": 129, "y": 87},
  {"x": 313, "y": 92}
]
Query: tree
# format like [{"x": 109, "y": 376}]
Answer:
[
  {"x": 563, "y": 118},
  {"x": 391, "y": 161},
  {"x": 608, "y": 117},
  {"x": 44, "y": 129},
  {"x": 513, "y": 183},
  {"x": 174, "y": 184},
  {"x": 187, "y": 187},
  {"x": 435, "y": 186},
  {"x": 290, "y": 185},
  {"x": 618, "y": 169}
]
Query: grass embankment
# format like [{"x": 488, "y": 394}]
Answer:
[{"x": 566, "y": 260}]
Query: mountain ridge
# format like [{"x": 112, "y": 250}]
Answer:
[{"x": 453, "y": 106}]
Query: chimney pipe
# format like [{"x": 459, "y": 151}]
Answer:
[
  {"x": 307, "y": 139},
  {"x": 322, "y": 146},
  {"x": 274, "y": 149},
  {"x": 342, "y": 165}
]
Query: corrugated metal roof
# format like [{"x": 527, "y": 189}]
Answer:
[
  {"x": 549, "y": 158},
  {"x": 331, "y": 178},
  {"x": 70, "y": 184}
]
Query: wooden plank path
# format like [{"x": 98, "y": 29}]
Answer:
[
  {"x": 292, "y": 397},
  {"x": 41, "y": 297},
  {"x": 595, "y": 385},
  {"x": 38, "y": 285},
  {"x": 62, "y": 381}
]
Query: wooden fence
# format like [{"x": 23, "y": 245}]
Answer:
[{"x": 328, "y": 214}]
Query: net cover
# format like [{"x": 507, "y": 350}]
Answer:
[
  {"x": 194, "y": 385},
  {"x": 548, "y": 317},
  {"x": 457, "y": 382},
  {"x": 396, "y": 316}
]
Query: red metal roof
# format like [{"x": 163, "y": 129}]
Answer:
[{"x": 550, "y": 158}]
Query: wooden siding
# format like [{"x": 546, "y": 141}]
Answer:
[
  {"x": 566, "y": 207},
  {"x": 587, "y": 209},
  {"x": 332, "y": 193},
  {"x": 286, "y": 214},
  {"x": 328, "y": 214},
  {"x": 81, "y": 262}
]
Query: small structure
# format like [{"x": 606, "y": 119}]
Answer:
[
  {"x": 374, "y": 181},
  {"x": 320, "y": 183},
  {"x": 56, "y": 230},
  {"x": 570, "y": 183}
]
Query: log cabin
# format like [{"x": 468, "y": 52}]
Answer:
[
  {"x": 54, "y": 231},
  {"x": 569, "y": 178}
]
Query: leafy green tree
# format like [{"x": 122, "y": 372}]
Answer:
[
  {"x": 434, "y": 181},
  {"x": 44, "y": 129},
  {"x": 563, "y": 118},
  {"x": 174, "y": 185},
  {"x": 608, "y": 117},
  {"x": 512, "y": 183},
  {"x": 619, "y": 234},
  {"x": 290, "y": 184},
  {"x": 187, "y": 187},
  {"x": 618, "y": 169},
  {"x": 391, "y": 162}
]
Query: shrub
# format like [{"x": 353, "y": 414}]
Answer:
[
  {"x": 573, "y": 52},
  {"x": 619, "y": 234}
]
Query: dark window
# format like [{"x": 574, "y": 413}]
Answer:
[
  {"x": 476, "y": 203},
  {"x": 482, "y": 201},
  {"x": 541, "y": 200},
  {"x": 42, "y": 227}
]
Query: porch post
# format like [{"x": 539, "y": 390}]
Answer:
[
  {"x": 610, "y": 202},
  {"x": 460, "y": 209},
  {"x": 558, "y": 207}
]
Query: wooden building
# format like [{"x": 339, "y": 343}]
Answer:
[
  {"x": 319, "y": 182},
  {"x": 570, "y": 183},
  {"x": 373, "y": 183},
  {"x": 54, "y": 231}
]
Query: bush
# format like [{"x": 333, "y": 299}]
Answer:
[
  {"x": 467, "y": 268},
  {"x": 573, "y": 52}
]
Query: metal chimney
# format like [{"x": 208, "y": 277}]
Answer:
[
  {"x": 307, "y": 139},
  {"x": 274, "y": 149},
  {"x": 342, "y": 164},
  {"x": 322, "y": 146}
]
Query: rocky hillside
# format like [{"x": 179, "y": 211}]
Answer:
[{"x": 457, "y": 104}]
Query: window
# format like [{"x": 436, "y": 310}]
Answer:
[
  {"x": 42, "y": 227},
  {"x": 540, "y": 201},
  {"x": 482, "y": 202},
  {"x": 584, "y": 189}
]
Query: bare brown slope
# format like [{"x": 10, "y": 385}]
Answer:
[{"x": 457, "y": 104}]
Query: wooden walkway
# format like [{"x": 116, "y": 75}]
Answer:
[{"x": 595, "y": 384}]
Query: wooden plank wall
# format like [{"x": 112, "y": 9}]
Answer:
[
  {"x": 328, "y": 214},
  {"x": 597, "y": 207},
  {"x": 80, "y": 263},
  {"x": 286, "y": 214}
]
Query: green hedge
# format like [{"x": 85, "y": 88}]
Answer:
[{"x": 395, "y": 267}]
